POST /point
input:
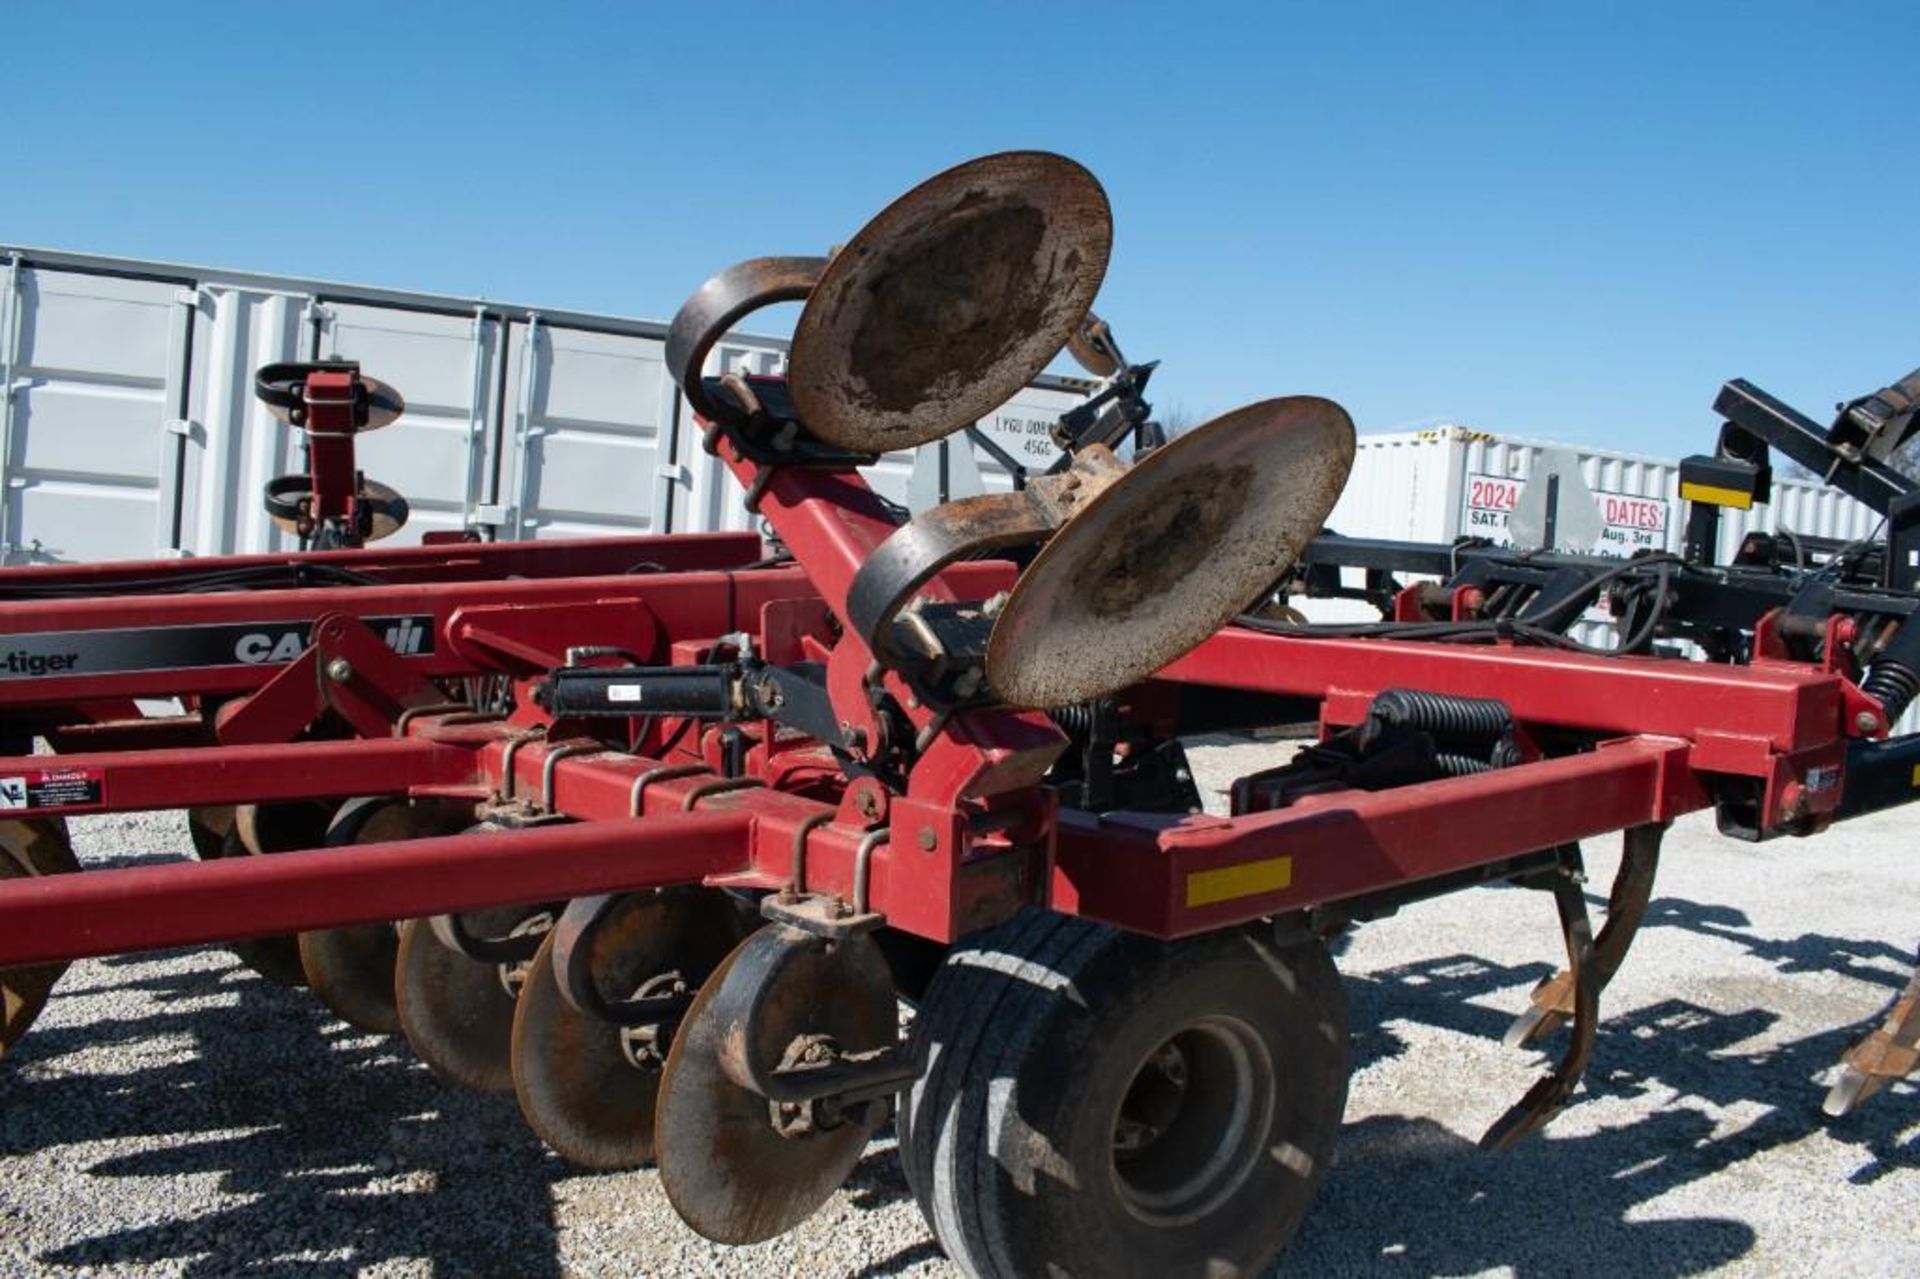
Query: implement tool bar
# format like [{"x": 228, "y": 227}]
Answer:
[{"x": 78, "y": 916}]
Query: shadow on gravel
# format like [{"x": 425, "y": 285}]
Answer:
[
  {"x": 906, "y": 1259},
  {"x": 345, "y": 1144},
  {"x": 1408, "y": 1195},
  {"x": 878, "y": 1180},
  {"x": 1807, "y": 953}
]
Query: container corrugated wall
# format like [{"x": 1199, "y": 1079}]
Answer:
[
  {"x": 132, "y": 429},
  {"x": 94, "y": 372},
  {"x": 1403, "y": 486}
]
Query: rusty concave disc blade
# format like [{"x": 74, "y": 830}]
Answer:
[
  {"x": 726, "y": 1170},
  {"x": 1169, "y": 554},
  {"x": 457, "y": 1012},
  {"x": 582, "y": 1086},
  {"x": 27, "y": 849},
  {"x": 950, "y": 301}
]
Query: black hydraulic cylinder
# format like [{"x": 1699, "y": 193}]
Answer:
[{"x": 586, "y": 692}]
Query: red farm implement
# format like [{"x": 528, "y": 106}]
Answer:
[{"x": 659, "y": 832}]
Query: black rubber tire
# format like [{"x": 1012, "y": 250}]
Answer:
[{"x": 1030, "y": 1040}]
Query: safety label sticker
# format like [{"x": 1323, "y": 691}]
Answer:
[{"x": 44, "y": 790}]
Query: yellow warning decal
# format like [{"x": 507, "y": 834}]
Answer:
[
  {"x": 1205, "y": 887},
  {"x": 1717, "y": 496},
  {"x": 1916, "y": 776}
]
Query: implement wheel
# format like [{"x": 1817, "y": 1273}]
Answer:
[
  {"x": 1096, "y": 1103},
  {"x": 29, "y": 848},
  {"x": 351, "y": 969}
]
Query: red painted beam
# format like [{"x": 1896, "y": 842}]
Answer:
[
  {"x": 922, "y": 888},
  {"x": 463, "y": 561},
  {"x": 175, "y": 732},
  {"x": 134, "y": 781},
  {"x": 63, "y": 917},
  {"x": 1790, "y": 710},
  {"x": 695, "y": 605},
  {"x": 1173, "y": 877}
]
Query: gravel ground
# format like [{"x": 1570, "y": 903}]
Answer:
[{"x": 173, "y": 1114}]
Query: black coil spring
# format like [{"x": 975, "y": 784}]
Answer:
[
  {"x": 1456, "y": 765},
  {"x": 1893, "y": 684},
  {"x": 1075, "y": 721},
  {"x": 1462, "y": 718}
]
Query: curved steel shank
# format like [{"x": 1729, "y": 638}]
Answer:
[
  {"x": 932, "y": 540},
  {"x": 723, "y": 302}
]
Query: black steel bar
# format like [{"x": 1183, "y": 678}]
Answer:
[{"x": 1805, "y": 441}]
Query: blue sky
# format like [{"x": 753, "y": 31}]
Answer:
[{"x": 1570, "y": 221}]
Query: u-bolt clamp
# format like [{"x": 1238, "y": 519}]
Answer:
[
  {"x": 509, "y": 784},
  {"x": 553, "y": 757},
  {"x": 664, "y": 773}
]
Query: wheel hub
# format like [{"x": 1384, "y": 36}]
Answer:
[{"x": 1193, "y": 1122}]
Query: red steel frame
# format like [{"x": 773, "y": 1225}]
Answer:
[{"x": 968, "y": 838}]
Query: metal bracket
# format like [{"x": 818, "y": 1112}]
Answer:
[
  {"x": 573, "y": 971},
  {"x": 524, "y": 431},
  {"x": 515, "y": 947},
  {"x": 918, "y": 550},
  {"x": 820, "y": 915},
  {"x": 471, "y": 508},
  {"x": 10, "y": 325}
]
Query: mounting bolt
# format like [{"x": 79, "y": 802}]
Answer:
[
  {"x": 868, "y": 803},
  {"x": 339, "y": 670},
  {"x": 1866, "y": 722},
  {"x": 927, "y": 840}
]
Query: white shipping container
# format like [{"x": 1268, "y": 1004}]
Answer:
[
  {"x": 1450, "y": 482},
  {"x": 130, "y": 427}
]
